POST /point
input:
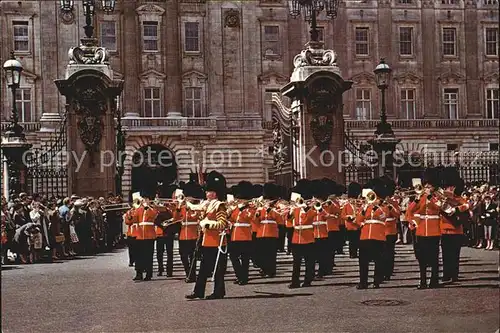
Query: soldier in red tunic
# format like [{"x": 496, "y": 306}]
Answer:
[{"x": 214, "y": 244}]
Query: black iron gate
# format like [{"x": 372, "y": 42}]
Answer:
[{"x": 47, "y": 165}]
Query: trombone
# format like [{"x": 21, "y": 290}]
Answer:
[{"x": 116, "y": 207}]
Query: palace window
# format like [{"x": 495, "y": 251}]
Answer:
[
  {"x": 451, "y": 147},
  {"x": 193, "y": 106},
  {"x": 405, "y": 1},
  {"x": 363, "y": 104},
  {"x": 21, "y": 36},
  {"x": 150, "y": 35},
  {"x": 449, "y": 41},
  {"x": 108, "y": 35},
  {"x": 491, "y": 2},
  {"x": 406, "y": 41},
  {"x": 449, "y": 2},
  {"x": 493, "y": 146},
  {"x": 321, "y": 34},
  {"x": 451, "y": 103},
  {"x": 271, "y": 41},
  {"x": 361, "y": 39},
  {"x": 408, "y": 107},
  {"x": 191, "y": 36},
  {"x": 492, "y": 103},
  {"x": 491, "y": 39},
  {"x": 152, "y": 102},
  {"x": 24, "y": 105}
]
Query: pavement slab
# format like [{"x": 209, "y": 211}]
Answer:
[{"x": 97, "y": 294}]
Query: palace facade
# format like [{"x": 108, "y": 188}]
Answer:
[{"x": 202, "y": 76}]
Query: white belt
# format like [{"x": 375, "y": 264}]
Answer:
[
  {"x": 146, "y": 223},
  {"x": 300, "y": 227},
  {"x": 390, "y": 219},
  {"x": 242, "y": 224},
  {"x": 189, "y": 223},
  {"x": 350, "y": 216},
  {"x": 320, "y": 223},
  {"x": 374, "y": 222},
  {"x": 268, "y": 222},
  {"x": 430, "y": 217}
]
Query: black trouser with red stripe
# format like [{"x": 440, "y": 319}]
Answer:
[
  {"x": 306, "y": 252},
  {"x": 239, "y": 253},
  {"x": 353, "y": 237},
  {"x": 451, "y": 245},
  {"x": 389, "y": 254},
  {"x": 144, "y": 259},
  {"x": 371, "y": 250},
  {"x": 165, "y": 243},
  {"x": 427, "y": 254},
  {"x": 266, "y": 252},
  {"x": 186, "y": 252},
  {"x": 335, "y": 240},
  {"x": 209, "y": 258},
  {"x": 322, "y": 254}
]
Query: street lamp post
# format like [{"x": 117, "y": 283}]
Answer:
[
  {"x": 108, "y": 6},
  {"x": 310, "y": 9},
  {"x": 14, "y": 143},
  {"x": 384, "y": 143},
  {"x": 120, "y": 148}
]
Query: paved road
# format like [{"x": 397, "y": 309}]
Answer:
[{"x": 96, "y": 294}]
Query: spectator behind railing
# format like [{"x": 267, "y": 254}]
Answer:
[{"x": 40, "y": 228}]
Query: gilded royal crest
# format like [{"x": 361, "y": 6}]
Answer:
[{"x": 322, "y": 130}]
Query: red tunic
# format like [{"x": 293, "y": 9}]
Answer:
[
  {"x": 320, "y": 225},
  {"x": 241, "y": 225},
  {"x": 393, "y": 217},
  {"x": 372, "y": 223},
  {"x": 217, "y": 215},
  {"x": 348, "y": 215},
  {"x": 333, "y": 222},
  {"x": 268, "y": 223},
  {"x": 446, "y": 222},
  {"x": 303, "y": 232}
]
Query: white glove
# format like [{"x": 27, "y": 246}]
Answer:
[{"x": 488, "y": 214}]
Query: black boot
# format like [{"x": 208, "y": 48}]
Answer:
[{"x": 138, "y": 277}]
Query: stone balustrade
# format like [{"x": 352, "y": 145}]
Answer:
[
  {"x": 29, "y": 127},
  {"x": 424, "y": 123}
]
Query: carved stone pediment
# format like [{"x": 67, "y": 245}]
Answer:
[
  {"x": 152, "y": 73},
  {"x": 451, "y": 78},
  {"x": 491, "y": 77},
  {"x": 194, "y": 78},
  {"x": 150, "y": 9},
  {"x": 363, "y": 78},
  {"x": 408, "y": 77},
  {"x": 273, "y": 78}
]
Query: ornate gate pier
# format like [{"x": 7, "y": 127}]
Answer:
[
  {"x": 316, "y": 87},
  {"x": 90, "y": 92}
]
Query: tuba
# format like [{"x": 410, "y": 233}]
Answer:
[{"x": 371, "y": 197}]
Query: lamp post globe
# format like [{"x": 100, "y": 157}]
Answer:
[
  {"x": 108, "y": 6},
  {"x": 13, "y": 69},
  {"x": 382, "y": 74},
  {"x": 66, "y": 5}
]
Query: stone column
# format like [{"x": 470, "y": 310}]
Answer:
[
  {"x": 317, "y": 85},
  {"x": 90, "y": 92}
]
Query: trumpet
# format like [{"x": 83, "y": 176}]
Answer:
[{"x": 318, "y": 206}]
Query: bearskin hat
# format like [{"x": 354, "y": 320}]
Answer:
[
  {"x": 194, "y": 190},
  {"x": 303, "y": 187},
  {"x": 432, "y": 177},
  {"x": 257, "y": 190},
  {"x": 270, "y": 191},
  {"x": 216, "y": 182},
  {"x": 244, "y": 190},
  {"x": 354, "y": 190}
]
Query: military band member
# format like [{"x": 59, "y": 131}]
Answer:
[
  {"x": 391, "y": 230},
  {"x": 189, "y": 220},
  {"x": 335, "y": 236},
  {"x": 143, "y": 219},
  {"x": 348, "y": 215},
  {"x": 132, "y": 232},
  {"x": 302, "y": 243},
  {"x": 372, "y": 240},
  {"x": 240, "y": 246},
  {"x": 214, "y": 243},
  {"x": 423, "y": 214},
  {"x": 268, "y": 219},
  {"x": 166, "y": 232},
  {"x": 451, "y": 224},
  {"x": 323, "y": 250}
]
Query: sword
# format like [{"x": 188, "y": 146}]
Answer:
[{"x": 223, "y": 235}]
